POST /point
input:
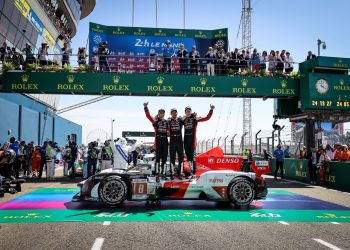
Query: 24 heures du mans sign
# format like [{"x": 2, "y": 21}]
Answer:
[{"x": 148, "y": 84}]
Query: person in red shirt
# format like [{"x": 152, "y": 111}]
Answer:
[
  {"x": 190, "y": 121},
  {"x": 161, "y": 127}
]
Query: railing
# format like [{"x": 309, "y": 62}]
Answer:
[{"x": 138, "y": 64}]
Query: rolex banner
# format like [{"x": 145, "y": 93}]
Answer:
[
  {"x": 130, "y": 47},
  {"x": 147, "y": 84}
]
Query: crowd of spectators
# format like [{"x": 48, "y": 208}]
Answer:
[
  {"x": 51, "y": 13},
  {"x": 31, "y": 160}
]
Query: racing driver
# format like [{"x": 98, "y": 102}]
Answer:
[
  {"x": 190, "y": 121},
  {"x": 161, "y": 127},
  {"x": 176, "y": 143}
]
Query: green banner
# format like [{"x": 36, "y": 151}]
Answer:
[
  {"x": 137, "y": 134},
  {"x": 338, "y": 176},
  {"x": 148, "y": 84},
  {"x": 142, "y": 31}
]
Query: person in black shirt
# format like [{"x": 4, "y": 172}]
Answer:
[
  {"x": 176, "y": 143},
  {"x": 190, "y": 121},
  {"x": 161, "y": 127}
]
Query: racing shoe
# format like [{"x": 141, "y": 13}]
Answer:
[{"x": 164, "y": 177}]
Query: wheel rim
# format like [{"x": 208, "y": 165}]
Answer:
[
  {"x": 113, "y": 191},
  {"x": 241, "y": 192}
]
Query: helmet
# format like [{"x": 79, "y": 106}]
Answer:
[{"x": 11, "y": 154}]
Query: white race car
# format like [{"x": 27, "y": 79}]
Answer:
[{"x": 218, "y": 178}]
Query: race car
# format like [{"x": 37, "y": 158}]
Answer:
[{"x": 218, "y": 178}]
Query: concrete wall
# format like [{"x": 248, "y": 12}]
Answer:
[{"x": 28, "y": 121}]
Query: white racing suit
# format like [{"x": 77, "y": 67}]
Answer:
[{"x": 50, "y": 162}]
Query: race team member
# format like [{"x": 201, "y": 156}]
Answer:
[
  {"x": 190, "y": 122},
  {"x": 161, "y": 127},
  {"x": 176, "y": 143},
  {"x": 106, "y": 158}
]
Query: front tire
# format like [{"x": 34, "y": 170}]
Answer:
[
  {"x": 112, "y": 190},
  {"x": 241, "y": 192}
]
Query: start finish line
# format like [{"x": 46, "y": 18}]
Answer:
[{"x": 54, "y": 205}]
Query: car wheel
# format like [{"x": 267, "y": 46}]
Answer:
[
  {"x": 113, "y": 190},
  {"x": 241, "y": 192}
]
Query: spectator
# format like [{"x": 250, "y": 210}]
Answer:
[
  {"x": 272, "y": 61},
  {"x": 263, "y": 61},
  {"x": 323, "y": 165},
  {"x": 235, "y": 59},
  {"x": 255, "y": 62},
  {"x": 244, "y": 60},
  {"x": 216, "y": 51},
  {"x": 66, "y": 51},
  {"x": 303, "y": 152},
  {"x": 279, "y": 62},
  {"x": 36, "y": 161},
  {"x": 330, "y": 152},
  {"x": 312, "y": 161},
  {"x": 17, "y": 59},
  {"x": 194, "y": 55},
  {"x": 103, "y": 53},
  {"x": 287, "y": 153},
  {"x": 182, "y": 54},
  {"x": 29, "y": 54},
  {"x": 267, "y": 156},
  {"x": 42, "y": 159},
  {"x": 288, "y": 62},
  {"x": 279, "y": 161},
  {"x": 344, "y": 156},
  {"x": 310, "y": 56},
  {"x": 211, "y": 60},
  {"x": 82, "y": 56},
  {"x": 3, "y": 51},
  {"x": 168, "y": 52},
  {"x": 337, "y": 154},
  {"x": 50, "y": 161},
  {"x": 222, "y": 63},
  {"x": 43, "y": 55}
]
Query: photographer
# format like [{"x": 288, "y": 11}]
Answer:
[
  {"x": 82, "y": 56},
  {"x": 103, "y": 52},
  {"x": 73, "y": 156}
]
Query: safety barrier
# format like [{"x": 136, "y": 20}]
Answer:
[{"x": 297, "y": 169}]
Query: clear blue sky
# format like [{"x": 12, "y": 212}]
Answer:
[{"x": 276, "y": 24}]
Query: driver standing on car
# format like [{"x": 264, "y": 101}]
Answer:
[
  {"x": 190, "y": 121},
  {"x": 176, "y": 143},
  {"x": 161, "y": 128}
]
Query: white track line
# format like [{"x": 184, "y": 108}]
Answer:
[
  {"x": 106, "y": 223},
  {"x": 284, "y": 223},
  {"x": 327, "y": 244},
  {"x": 335, "y": 223},
  {"x": 98, "y": 244}
]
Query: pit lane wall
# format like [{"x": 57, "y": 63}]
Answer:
[{"x": 297, "y": 169}]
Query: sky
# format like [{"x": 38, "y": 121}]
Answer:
[{"x": 276, "y": 24}]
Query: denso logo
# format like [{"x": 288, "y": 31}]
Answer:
[
  {"x": 216, "y": 180},
  {"x": 227, "y": 160},
  {"x": 261, "y": 163}
]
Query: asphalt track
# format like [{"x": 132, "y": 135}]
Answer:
[{"x": 295, "y": 216}]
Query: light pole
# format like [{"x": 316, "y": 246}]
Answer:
[
  {"x": 112, "y": 120},
  {"x": 319, "y": 43}
]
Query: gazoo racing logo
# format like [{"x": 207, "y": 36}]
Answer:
[{"x": 216, "y": 180}]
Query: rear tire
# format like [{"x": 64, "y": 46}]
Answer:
[
  {"x": 241, "y": 192},
  {"x": 113, "y": 190}
]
